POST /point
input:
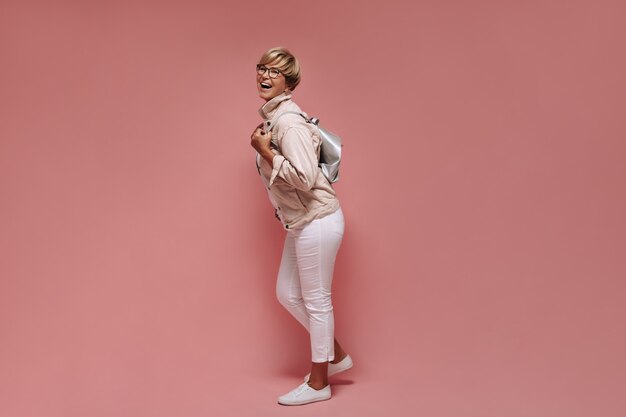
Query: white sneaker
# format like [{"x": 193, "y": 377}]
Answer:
[
  {"x": 335, "y": 368},
  {"x": 305, "y": 394}
]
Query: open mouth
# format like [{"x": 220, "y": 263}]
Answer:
[{"x": 265, "y": 86}]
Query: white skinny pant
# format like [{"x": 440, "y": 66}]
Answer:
[{"x": 305, "y": 277}]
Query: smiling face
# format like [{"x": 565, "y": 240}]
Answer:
[{"x": 270, "y": 87}]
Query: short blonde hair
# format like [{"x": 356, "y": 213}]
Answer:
[{"x": 286, "y": 62}]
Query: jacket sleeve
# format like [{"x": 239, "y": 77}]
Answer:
[{"x": 297, "y": 161}]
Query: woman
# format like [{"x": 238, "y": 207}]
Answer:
[{"x": 304, "y": 201}]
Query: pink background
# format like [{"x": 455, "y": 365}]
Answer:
[{"x": 484, "y": 177}]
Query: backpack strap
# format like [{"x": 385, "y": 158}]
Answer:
[{"x": 273, "y": 123}]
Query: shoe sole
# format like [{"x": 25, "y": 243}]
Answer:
[{"x": 305, "y": 402}]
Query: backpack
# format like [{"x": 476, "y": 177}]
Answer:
[{"x": 330, "y": 148}]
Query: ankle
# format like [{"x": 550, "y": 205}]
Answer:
[
  {"x": 317, "y": 385},
  {"x": 339, "y": 358}
]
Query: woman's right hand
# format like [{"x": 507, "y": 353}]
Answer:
[{"x": 260, "y": 140}]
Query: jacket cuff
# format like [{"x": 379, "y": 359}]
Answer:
[{"x": 277, "y": 162}]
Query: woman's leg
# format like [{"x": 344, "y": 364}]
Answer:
[
  {"x": 288, "y": 289},
  {"x": 316, "y": 247},
  {"x": 289, "y": 293}
]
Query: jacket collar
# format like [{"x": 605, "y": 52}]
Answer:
[{"x": 268, "y": 110}]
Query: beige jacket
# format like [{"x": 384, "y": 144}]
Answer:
[{"x": 298, "y": 190}]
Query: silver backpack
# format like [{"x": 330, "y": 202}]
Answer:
[{"x": 330, "y": 149}]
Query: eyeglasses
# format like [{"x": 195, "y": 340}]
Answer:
[{"x": 274, "y": 72}]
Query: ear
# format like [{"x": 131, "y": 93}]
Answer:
[{"x": 288, "y": 88}]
